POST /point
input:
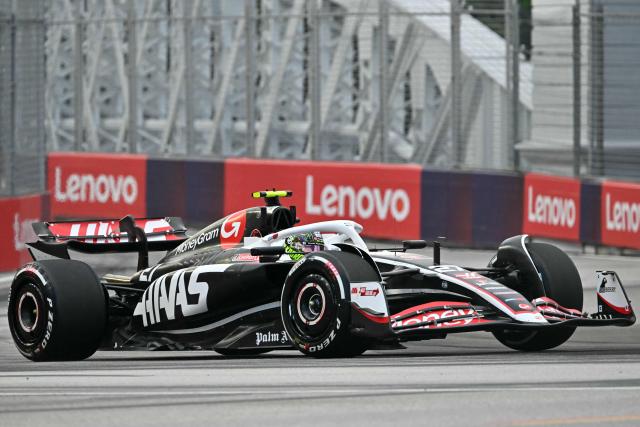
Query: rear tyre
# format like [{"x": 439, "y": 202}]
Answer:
[
  {"x": 316, "y": 309},
  {"x": 57, "y": 310},
  {"x": 562, "y": 283}
]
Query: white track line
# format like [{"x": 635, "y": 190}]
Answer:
[{"x": 297, "y": 392}]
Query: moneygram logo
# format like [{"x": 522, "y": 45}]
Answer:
[
  {"x": 550, "y": 210},
  {"x": 102, "y": 188},
  {"x": 356, "y": 202}
]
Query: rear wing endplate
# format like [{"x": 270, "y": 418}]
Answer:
[{"x": 109, "y": 235}]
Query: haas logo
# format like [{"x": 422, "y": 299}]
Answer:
[{"x": 232, "y": 229}]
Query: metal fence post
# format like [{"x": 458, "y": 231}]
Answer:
[
  {"x": 596, "y": 81},
  {"x": 512, "y": 73},
  {"x": 314, "y": 78},
  {"x": 250, "y": 77},
  {"x": 12, "y": 111},
  {"x": 78, "y": 80},
  {"x": 383, "y": 13},
  {"x": 132, "y": 77},
  {"x": 188, "y": 76},
  {"x": 577, "y": 88},
  {"x": 515, "y": 85},
  {"x": 455, "y": 83}
]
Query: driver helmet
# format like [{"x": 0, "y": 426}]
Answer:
[{"x": 299, "y": 244}]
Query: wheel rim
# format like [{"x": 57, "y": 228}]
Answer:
[
  {"x": 311, "y": 310},
  {"x": 28, "y": 312},
  {"x": 310, "y": 304}
]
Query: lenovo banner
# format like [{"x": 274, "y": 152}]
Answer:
[
  {"x": 620, "y": 214},
  {"x": 97, "y": 185},
  {"x": 551, "y": 207},
  {"x": 16, "y": 216},
  {"x": 385, "y": 199}
]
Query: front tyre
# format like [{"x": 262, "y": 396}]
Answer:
[
  {"x": 315, "y": 306},
  {"x": 562, "y": 283},
  {"x": 57, "y": 310}
]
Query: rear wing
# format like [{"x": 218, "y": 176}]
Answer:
[{"x": 109, "y": 235}]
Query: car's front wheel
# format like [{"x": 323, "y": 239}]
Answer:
[
  {"x": 562, "y": 283},
  {"x": 315, "y": 307}
]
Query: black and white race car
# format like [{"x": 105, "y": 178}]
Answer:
[{"x": 255, "y": 281}]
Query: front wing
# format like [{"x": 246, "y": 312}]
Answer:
[{"x": 435, "y": 319}]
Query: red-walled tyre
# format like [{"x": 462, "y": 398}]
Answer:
[{"x": 315, "y": 306}]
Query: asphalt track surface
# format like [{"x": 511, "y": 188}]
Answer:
[{"x": 467, "y": 379}]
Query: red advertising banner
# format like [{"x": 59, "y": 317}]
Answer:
[
  {"x": 620, "y": 214},
  {"x": 384, "y": 199},
  {"x": 551, "y": 207},
  {"x": 97, "y": 185},
  {"x": 16, "y": 216}
]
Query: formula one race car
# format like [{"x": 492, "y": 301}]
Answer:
[{"x": 254, "y": 281}]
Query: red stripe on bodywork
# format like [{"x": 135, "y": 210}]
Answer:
[
  {"x": 614, "y": 308},
  {"x": 373, "y": 318}
]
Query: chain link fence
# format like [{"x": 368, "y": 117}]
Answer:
[
  {"x": 539, "y": 85},
  {"x": 332, "y": 80},
  {"x": 586, "y": 88},
  {"x": 22, "y": 82}
]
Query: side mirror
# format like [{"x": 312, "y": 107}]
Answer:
[
  {"x": 268, "y": 251},
  {"x": 414, "y": 244}
]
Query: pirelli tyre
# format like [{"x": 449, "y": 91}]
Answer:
[
  {"x": 315, "y": 304},
  {"x": 57, "y": 310},
  {"x": 562, "y": 283}
]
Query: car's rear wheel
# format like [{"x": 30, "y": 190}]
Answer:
[
  {"x": 562, "y": 283},
  {"x": 57, "y": 310},
  {"x": 315, "y": 307}
]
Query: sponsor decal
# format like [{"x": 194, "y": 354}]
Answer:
[
  {"x": 245, "y": 257},
  {"x": 385, "y": 199},
  {"x": 197, "y": 241},
  {"x": 49, "y": 328},
  {"x": 324, "y": 344},
  {"x": 362, "y": 203},
  {"x": 232, "y": 229},
  {"x": 23, "y": 232},
  {"x": 364, "y": 292},
  {"x": 603, "y": 288},
  {"x": 16, "y": 216},
  {"x": 620, "y": 214},
  {"x": 436, "y": 319},
  {"x": 100, "y": 188},
  {"x": 552, "y": 206},
  {"x": 181, "y": 289},
  {"x": 271, "y": 338},
  {"x": 109, "y": 230},
  {"x": 89, "y": 184}
]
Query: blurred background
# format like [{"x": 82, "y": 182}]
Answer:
[{"x": 471, "y": 119}]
